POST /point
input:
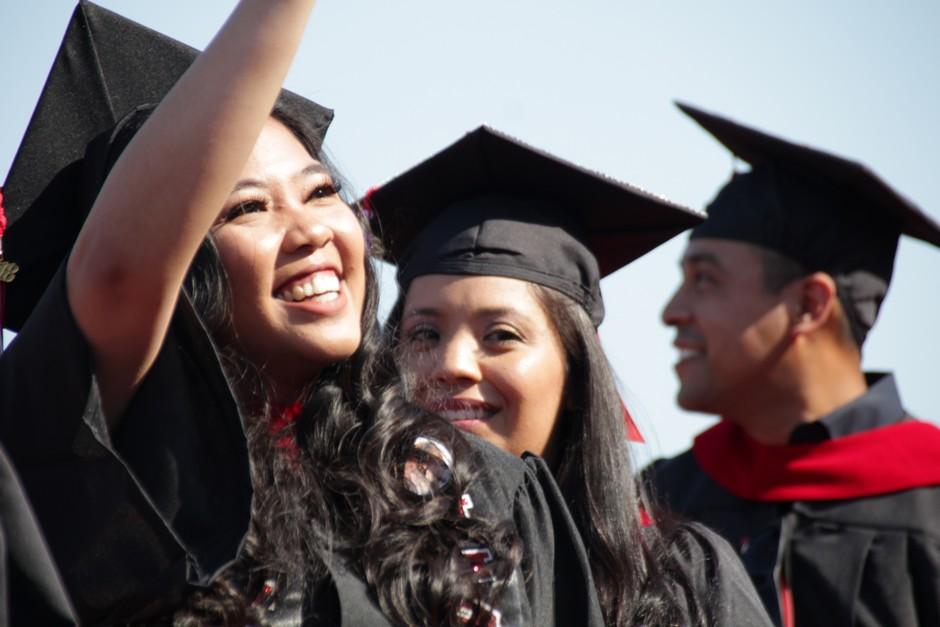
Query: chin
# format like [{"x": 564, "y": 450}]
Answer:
[
  {"x": 693, "y": 400},
  {"x": 337, "y": 350}
]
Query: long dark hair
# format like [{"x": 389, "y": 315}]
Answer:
[
  {"x": 635, "y": 571},
  {"x": 638, "y": 578},
  {"x": 329, "y": 486}
]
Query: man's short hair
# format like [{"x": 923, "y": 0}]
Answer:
[{"x": 779, "y": 270}]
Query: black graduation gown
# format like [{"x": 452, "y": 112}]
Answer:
[
  {"x": 863, "y": 561},
  {"x": 133, "y": 520},
  {"x": 31, "y": 592},
  {"x": 722, "y": 589}
]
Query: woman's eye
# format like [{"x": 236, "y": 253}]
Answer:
[
  {"x": 324, "y": 190},
  {"x": 503, "y": 336},
  {"x": 422, "y": 337},
  {"x": 243, "y": 208}
]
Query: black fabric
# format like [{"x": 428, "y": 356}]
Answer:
[
  {"x": 491, "y": 205},
  {"x": 719, "y": 582},
  {"x": 825, "y": 212},
  {"x": 135, "y": 520},
  {"x": 131, "y": 521},
  {"x": 31, "y": 591},
  {"x": 855, "y": 562},
  {"x": 105, "y": 68},
  {"x": 879, "y": 407}
]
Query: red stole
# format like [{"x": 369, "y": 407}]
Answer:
[{"x": 888, "y": 459}]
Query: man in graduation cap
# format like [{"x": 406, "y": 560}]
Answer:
[{"x": 825, "y": 483}]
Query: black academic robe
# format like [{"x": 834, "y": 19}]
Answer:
[
  {"x": 31, "y": 592},
  {"x": 135, "y": 519},
  {"x": 867, "y": 560},
  {"x": 721, "y": 588}
]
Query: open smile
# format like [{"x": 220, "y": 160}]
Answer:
[
  {"x": 463, "y": 410},
  {"x": 323, "y": 286},
  {"x": 688, "y": 352}
]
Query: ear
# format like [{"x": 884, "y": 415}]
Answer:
[{"x": 817, "y": 300}]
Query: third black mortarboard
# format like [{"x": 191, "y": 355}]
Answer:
[
  {"x": 106, "y": 67},
  {"x": 827, "y": 213},
  {"x": 491, "y": 205}
]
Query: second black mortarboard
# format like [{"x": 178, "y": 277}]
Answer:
[
  {"x": 106, "y": 67},
  {"x": 492, "y": 205},
  {"x": 825, "y": 212}
]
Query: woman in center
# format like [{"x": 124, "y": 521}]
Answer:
[{"x": 500, "y": 250}]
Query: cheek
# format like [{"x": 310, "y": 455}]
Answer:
[
  {"x": 536, "y": 385},
  {"x": 349, "y": 239},
  {"x": 417, "y": 364},
  {"x": 245, "y": 257}
]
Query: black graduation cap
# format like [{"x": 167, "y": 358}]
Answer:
[
  {"x": 827, "y": 213},
  {"x": 492, "y": 205},
  {"x": 106, "y": 67}
]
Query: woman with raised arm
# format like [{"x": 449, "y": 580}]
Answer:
[
  {"x": 500, "y": 250},
  {"x": 219, "y": 288}
]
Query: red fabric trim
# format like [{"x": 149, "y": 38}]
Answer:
[
  {"x": 283, "y": 418},
  {"x": 366, "y": 203},
  {"x": 3, "y": 304},
  {"x": 3, "y": 217},
  {"x": 889, "y": 459},
  {"x": 787, "y": 610},
  {"x": 633, "y": 432}
]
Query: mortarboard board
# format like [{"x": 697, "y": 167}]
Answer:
[
  {"x": 107, "y": 66},
  {"x": 823, "y": 211},
  {"x": 492, "y": 205}
]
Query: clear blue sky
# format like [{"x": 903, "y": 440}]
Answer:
[{"x": 593, "y": 81}]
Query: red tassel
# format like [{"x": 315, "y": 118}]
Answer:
[{"x": 633, "y": 432}]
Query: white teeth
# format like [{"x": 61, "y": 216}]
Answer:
[
  {"x": 688, "y": 353},
  {"x": 326, "y": 298},
  {"x": 325, "y": 282},
  {"x": 469, "y": 413},
  {"x": 323, "y": 287}
]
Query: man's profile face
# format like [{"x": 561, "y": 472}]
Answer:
[{"x": 730, "y": 330}]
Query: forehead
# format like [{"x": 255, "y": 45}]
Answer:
[
  {"x": 277, "y": 152},
  {"x": 471, "y": 294},
  {"x": 731, "y": 255}
]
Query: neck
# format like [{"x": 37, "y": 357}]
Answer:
[{"x": 808, "y": 387}]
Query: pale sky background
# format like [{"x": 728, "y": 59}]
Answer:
[{"x": 593, "y": 81}]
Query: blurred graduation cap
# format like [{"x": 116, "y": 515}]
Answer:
[
  {"x": 492, "y": 205},
  {"x": 827, "y": 213},
  {"x": 107, "y": 66}
]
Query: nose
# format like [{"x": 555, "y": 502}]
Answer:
[
  {"x": 676, "y": 312},
  {"x": 457, "y": 361},
  {"x": 304, "y": 230}
]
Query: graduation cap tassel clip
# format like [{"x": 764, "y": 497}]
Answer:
[{"x": 8, "y": 269}]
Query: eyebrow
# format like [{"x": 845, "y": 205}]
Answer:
[
  {"x": 313, "y": 168},
  {"x": 489, "y": 312},
  {"x": 422, "y": 311},
  {"x": 701, "y": 257}
]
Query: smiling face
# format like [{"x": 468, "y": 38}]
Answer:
[
  {"x": 295, "y": 257},
  {"x": 731, "y": 331},
  {"x": 482, "y": 353}
]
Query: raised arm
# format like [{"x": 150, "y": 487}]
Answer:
[{"x": 163, "y": 194}]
